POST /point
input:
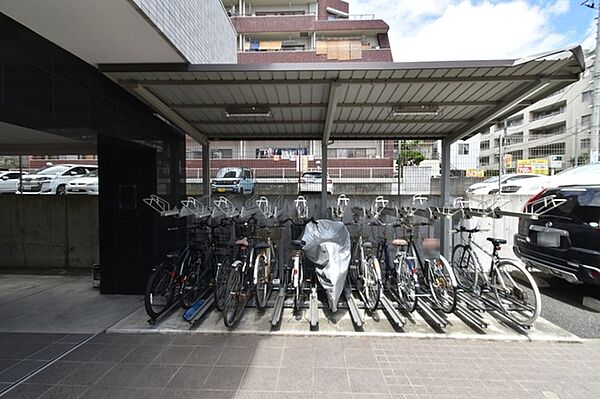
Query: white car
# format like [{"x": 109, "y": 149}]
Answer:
[
  {"x": 528, "y": 186},
  {"x": 9, "y": 181},
  {"x": 310, "y": 182},
  {"x": 578, "y": 175},
  {"x": 490, "y": 186},
  {"x": 87, "y": 184},
  {"x": 53, "y": 179}
]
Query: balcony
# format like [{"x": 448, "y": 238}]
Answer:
[
  {"x": 305, "y": 23},
  {"x": 268, "y": 57}
]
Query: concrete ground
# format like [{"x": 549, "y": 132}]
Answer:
[
  {"x": 263, "y": 366},
  {"x": 44, "y": 317}
]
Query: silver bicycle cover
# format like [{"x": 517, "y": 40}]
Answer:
[{"x": 328, "y": 246}]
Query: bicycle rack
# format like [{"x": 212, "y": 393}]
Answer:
[
  {"x": 161, "y": 206},
  {"x": 301, "y": 207},
  {"x": 193, "y": 207},
  {"x": 397, "y": 319},
  {"x": 198, "y": 309},
  {"x": 313, "y": 308},
  {"x": 267, "y": 210},
  {"x": 353, "y": 307},
  {"x": 226, "y": 207},
  {"x": 378, "y": 205},
  {"x": 341, "y": 205},
  {"x": 425, "y": 308}
]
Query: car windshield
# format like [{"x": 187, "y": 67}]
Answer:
[
  {"x": 52, "y": 170},
  {"x": 491, "y": 180},
  {"x": 227, "y": 173},
  {"x": 93, "y": 173},
  {"x": 591, "y": 169},
  {"x": 314, "y": 175}
]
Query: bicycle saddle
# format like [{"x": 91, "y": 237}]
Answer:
[
  {"x": 261, "y": 245},
  {"x": 431, "y": 244},
  {"x": 399, "y": 242},
  {"x": 173, "y": 255},
  {"x": 367, "y": 244},
  {"x": 496, "y": 241},
  {"x": 242, "y": 242},
  {"x": 298, "y": 243}
]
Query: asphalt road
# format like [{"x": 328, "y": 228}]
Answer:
[{"x": 562, "y": 305}]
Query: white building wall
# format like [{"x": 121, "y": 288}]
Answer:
[{"x": 199, "y": 29}]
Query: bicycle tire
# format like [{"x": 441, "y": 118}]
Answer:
[
  {"x": 406, "y": 285},
  {"x": 160, "y": 284},
  {"x": 232, "y": 305},
  {"x": 371, "y": 283},
  {"x": 501, "y": 275},
  {"x": 464, "y": 267},
  {"x": 442, "y": 284},
  {"x": 261, "y": 277},
  {"x": 191, "y": 285},
  {"x": 220, "y": 280}
]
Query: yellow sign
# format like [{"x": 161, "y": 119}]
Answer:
[
  {"x": 475, "y": 173},
  {"x": 528, "y": 166},
  {"x": 508, "y": 160}
]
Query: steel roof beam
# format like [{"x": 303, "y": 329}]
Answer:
[
  {"x": 508, "y": 105},
  {"x": 345, "y": 105},
  {"x": 261, "y": 82},
  {"x": 338, "y": 122}
]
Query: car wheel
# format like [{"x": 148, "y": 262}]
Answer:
[{"x": 61, "y": 190}]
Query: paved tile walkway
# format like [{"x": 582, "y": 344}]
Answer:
[{"x": 118, "y": 366}]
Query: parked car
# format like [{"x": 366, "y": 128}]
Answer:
[
  {"x": 9, "y": 181},
  {"x": 53, "y": 179},
  {"x": 88, "y": 184},
  {"x": 234, "y": 180},
  {"x": 310, "y": 182},
  {"x": 531, "y": 185},
  {"x": 490, "y": 186},
  {"x": 566, "y": 240}
]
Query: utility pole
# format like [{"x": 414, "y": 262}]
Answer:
[
  {"x": 501, "y": 155},
  {"x": 595, "y": 128},
  {"x": 576, "y": 142}
]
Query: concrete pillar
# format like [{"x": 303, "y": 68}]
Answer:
[
  {"x": 445, "y": 225},
  {"x": 324, "y": 171},
  {"x": 206, "y": 171}
]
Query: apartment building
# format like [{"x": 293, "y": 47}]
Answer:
[
  {"x": 280, "y": 31},
  {"x": 274, "y": 31},
  {"x": 557, "y": 128}
]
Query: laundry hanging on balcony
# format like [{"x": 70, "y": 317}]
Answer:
[{"x": 341, "y": 50}]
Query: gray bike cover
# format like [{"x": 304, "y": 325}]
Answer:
[{"x": 328, "y": 246}]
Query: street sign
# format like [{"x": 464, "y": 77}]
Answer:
[
  {"x": 474, "y": 173},
  {"x": 528, "y": 166},
  {"x": 508, "y": 160}
]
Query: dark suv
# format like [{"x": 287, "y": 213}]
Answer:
[{"x": 565, "y": 241}]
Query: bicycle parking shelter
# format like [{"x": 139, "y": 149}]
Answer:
[{"x": 328, "y": 102}]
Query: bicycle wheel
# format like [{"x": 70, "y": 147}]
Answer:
[
  {"x": 516, "y": 292},
  {"x": 371, "y": 283},
  {"x": 464, "y": 267},
  {"x": 232, "y": 307},
  {"x": 159, "y": 293},
  {"x": 192, "y": 282},
  {"x": 407, "y": 283},
  {"x": 442, "y": 284},
  {"x": 220, "y": 280},
  {"x": 262, "y": 279}
]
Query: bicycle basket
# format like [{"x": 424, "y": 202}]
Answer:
[{"x": 222, "y": 236}]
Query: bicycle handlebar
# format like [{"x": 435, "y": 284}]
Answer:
[
  {"x": 311, "y": 220},
  {"x": 463, "y": 229}
]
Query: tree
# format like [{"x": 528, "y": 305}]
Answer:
[{"x": 410, "y": 153}]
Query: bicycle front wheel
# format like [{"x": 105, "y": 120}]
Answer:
[
  {"x": 442, "y": 284},
  {"x": 192, "y": 283},
  {"x": 220, "y": 281},
  {"x": 371, "y": 283},
  {"x": 516, "y": 292},
  {"x": 232, "y": 307},
  {"x": 262, "y": 279},
  {"x": 159, "y": 293},
  {"x": 464, "y": 267},
  {"x": 407, "y": 284}
]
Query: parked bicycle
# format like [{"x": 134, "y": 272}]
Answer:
[
  {"x": 517, "y": 297},
  {"x": 365, "y": 273}
]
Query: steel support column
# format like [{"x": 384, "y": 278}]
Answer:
[
  {"x": 445, "y": 225},
  {"x": 206, "y": 191},
  {"x": 324, "y": 171}
]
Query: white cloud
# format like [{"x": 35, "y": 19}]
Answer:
[{"x": 422, "y": 30}]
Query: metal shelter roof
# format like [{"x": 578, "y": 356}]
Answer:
[{"x": 346, "y": 101}]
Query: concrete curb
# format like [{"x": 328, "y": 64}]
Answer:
[{"x": 591, "y": 303}]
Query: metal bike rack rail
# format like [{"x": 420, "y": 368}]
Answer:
[
  {"x": 353, "y": 307},
  {"x": 198, "y": 309},
  {"x": 397, "y": 319},
  {"x": 424, "y": 306},
  {"x": 470, "y": 301},
  {"x": 471, "y": 316},
  {"x": 498, "y": 311},
  {"x": 313, "y": 309},
  {"x": 165, "y": 313},
  {"x": 279, "y": 303}
]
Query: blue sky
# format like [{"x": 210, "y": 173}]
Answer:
[{"x": 422, "y": 30}]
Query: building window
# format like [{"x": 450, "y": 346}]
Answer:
[
  {"x": 586, "y": 121},
  {"x": 351, "y": 152},
  {"x": 484, "y": 145},
  {"x": 547, "y": 132},
  {"x": 586, "y": 96},
  {"x": 514, "y": 138},
  {"x": 222, "y": 153},
  {"x": 463, "y": 148},
  {"x": 547, "y": 150},
  {"x": 280, "y": 153},
  {"x": 536, "y": 115},
  {"x": 484, "y": 161}
]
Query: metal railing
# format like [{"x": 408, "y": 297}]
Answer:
[{"x": 292, "y": 173}]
